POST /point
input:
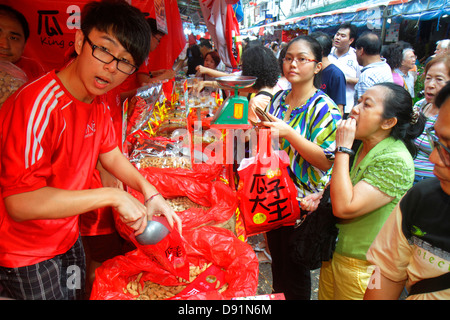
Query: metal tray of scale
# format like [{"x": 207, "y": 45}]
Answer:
[{"x": 235, "y": 82}]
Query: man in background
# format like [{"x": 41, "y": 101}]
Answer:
[
  {"x": 14, "y": 33},
  {"x": 374, "y": 67},
  {"x": 344, "y": 57}
]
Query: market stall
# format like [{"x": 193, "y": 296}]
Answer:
[
  {"x": 180, "y": 142},
  {"x": 165, "y": 139}
]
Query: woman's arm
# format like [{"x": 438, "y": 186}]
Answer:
[
  {"x": 351, "y": 201},
  {"x": 210, "y": 72}
]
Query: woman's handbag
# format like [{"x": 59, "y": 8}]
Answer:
[{"x": 314, "y": 239}]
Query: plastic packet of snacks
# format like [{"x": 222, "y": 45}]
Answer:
[
  {"x": 141, "y": 107},
  {"x": 11, "y": 79}
]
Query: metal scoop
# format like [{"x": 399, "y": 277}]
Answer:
[{"x": 153, "y": 233}]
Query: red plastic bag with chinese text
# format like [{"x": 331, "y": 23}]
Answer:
[
  {"x": 169, "y": 253},
  {"x": 203, "y": 245},
  {"x": 268, "y": 196}
]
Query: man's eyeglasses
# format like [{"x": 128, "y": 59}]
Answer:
[
  {"x": 298, "y": 60},
  {"x": 444, "y": 152},
  {"x": 104, "y": 56}
]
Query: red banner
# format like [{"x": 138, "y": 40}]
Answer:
[{"x": 53, "y": 24}]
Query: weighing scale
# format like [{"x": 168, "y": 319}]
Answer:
[{"x": 233, "y": 113}]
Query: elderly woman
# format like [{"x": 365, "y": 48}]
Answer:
[
  {"x": 437, "y": 73},
  {"x": 381, "y": 173},
  {"x": 404, "y": 70}
]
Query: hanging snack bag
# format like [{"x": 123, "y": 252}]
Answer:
[{"x": 11, "y": 79}]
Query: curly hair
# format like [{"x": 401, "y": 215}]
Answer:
[{"x": 260, "y": 62}]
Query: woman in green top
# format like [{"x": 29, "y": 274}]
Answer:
[{"x": 381, "y": 173}]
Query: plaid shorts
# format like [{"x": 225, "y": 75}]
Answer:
[{"x": 59, "y": 278}]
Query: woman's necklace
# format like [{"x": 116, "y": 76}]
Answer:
[{"x": 294, "y": 104}]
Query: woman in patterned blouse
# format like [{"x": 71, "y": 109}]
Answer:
[{"x": 305, "y": 119}]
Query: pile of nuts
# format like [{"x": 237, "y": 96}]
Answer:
[
  {"x": 155, "y": 291},
  {"x": 166, "y": 162},
  {"x": 179, "y": 204}
]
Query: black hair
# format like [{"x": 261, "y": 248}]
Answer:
[
  {"x": 206, "y": 43},
  {"x": 393, "y": 54},
  {"x": 442, "y": 95},
  {"x": 399, "y": 104},
  {"x": 256, "y": 42},
  {"x": 194, "y": 59},
  {"x": 19, "y": 17},
  {"x": 281, "y": 57},
  {"x": 260, "y": 62},
  {"x": 351, "y": 27},
  {"x": 316, "y": 50},
  {"x": 324, "y": 40},
  {"x": 154, "y": 27},
  {"x": 121, "y": 20},
  {"x": 370, "y": 42}
]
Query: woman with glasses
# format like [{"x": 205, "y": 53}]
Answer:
[
  {"x": 306, "y": 120},
  {"x": 363, "y": 197},
  {"x": 412, "y": 249},
  {"x": 436, "y": 75}
]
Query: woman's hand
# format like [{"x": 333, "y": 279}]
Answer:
[
  {"x": 198, "y": 87},
  {"x": 345, "y": 134},
  {"x": 311, "y": 202},
  {"x": 278, "y": 127},
  {"x": 201, "y": 69}
]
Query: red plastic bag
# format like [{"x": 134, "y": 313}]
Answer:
[
  {"x": 203, "y": 245},
  {"x": 268, "y": 196},
  {"x": 169, "y": 253}
]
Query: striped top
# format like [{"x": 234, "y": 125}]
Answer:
[
  {"x": 422, "y": 164},
  {"x": 316, "y": 120}
]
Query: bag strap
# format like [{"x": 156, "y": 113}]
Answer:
[
  {"x": 439, "y": 283},
  {"x": 265, "y": 93}
]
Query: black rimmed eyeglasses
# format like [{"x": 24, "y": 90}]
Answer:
[
  {"x": 444, "y": 152},
  {"x": 104, "y": 56}
]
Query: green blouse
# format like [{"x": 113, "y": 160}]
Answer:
[{"x": 388, "y": 167}]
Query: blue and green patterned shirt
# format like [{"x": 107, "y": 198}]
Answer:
[{"x": 316, "y": 120}]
